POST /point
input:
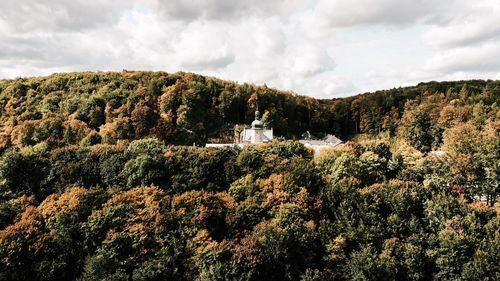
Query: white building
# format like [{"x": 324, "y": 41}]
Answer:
[
  {"x": 257, "y": 133},
  {"x": 329, "y": 141}
]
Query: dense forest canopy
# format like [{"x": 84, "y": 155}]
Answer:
[
  {"x": 182, "y": 108},
  {"x": 95, "y": 183}
]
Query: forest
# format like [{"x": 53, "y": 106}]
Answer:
[{"x": 103, "y": 176}]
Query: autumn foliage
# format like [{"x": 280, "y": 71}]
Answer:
[{"x": 95, "y": 183}]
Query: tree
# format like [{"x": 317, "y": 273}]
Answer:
[
  {"x": 143, "y": 119},
  {"x": 23, "y": 173},
  {"x": 151, "y": 147},
  {"x": 144, "y": 170},
  {"x": 45, "y": 244},
  {"x": 475, "y": 158},
  {"x": 415, "y": 128},
  {"x": 131, "y": 237},
  {"x": 366, "y": 264}
]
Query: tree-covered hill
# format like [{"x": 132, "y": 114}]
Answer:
[
  {"x": 94, "y": 186},
  {"x": 185, "y": 108}
]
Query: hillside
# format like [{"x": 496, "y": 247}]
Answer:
[
  {"x": 183, "y": 108},
  {"x": 95, "y": 186}
]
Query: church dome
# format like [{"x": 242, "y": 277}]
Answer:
[{"x": 257, "y": 124}]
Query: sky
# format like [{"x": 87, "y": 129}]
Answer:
[{"x": 319, "y": 48}]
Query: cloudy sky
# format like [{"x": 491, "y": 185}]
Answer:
[{"x": 321, "y": 48}]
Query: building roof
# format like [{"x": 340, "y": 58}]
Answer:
[
  {"x": 307, "y": 136},
  {"x": 332, "y": 139},
  {"x": 257, "y": 124},
  {"x": 329, "y": 140}
]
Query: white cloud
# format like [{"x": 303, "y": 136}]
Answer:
[
  {"x": 203, "y": 47},
  {"x": 469, "y": 46},
  {"x": 476, "y": 23},
  {"x": 473, "y": 58},
  {"x": 315, "y": 47},
  {"x": 308, "y": 61},
  {"x": 269, "y": 38}
]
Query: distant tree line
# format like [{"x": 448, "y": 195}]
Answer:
[{"x": 185, "y": 108}]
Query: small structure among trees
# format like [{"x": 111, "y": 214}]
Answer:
[
  {"x": 258, "y": 133},
  {"x": 329, "y": 141}
]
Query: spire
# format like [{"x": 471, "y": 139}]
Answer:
[
  {"x": 257, "y": 123},
  {"x": 257, "y": 113}
]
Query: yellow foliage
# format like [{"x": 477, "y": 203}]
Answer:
[
  {"x": 28, "y": 226},
  {"x": 146, "y": 203},
  {"x": 274, "y": 182},
  {"x": 56, "y": 204},
  {"x": 334, "y": 152},
  {"x": 410, "y": 154},
  {"x": 76, "y": 130},
  {"x": 23, "y": 133},
  {"x": 274, "y": 198},
  {"x": 23, "y": 201}
]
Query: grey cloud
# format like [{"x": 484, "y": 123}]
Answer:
[
  {"x": 465, "y": 32},
  {"x": 41, "y": 51},
  {"x": 209, "y": 63},
  {"x": 54, "y": 51},
  {"x": 20, "y": 48},
  {"x": 60, "y": 15},
  {"x": 345, "y": 13},
  {"x": 476, "y": 58},
  {"x": 471, "y": 39},
  {"x": 210, "y": 9},
  {"x": 223, "y": 10}
]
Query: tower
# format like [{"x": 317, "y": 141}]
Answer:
[
  {"x": 257, "y": 129},
  {"x": 257, "y": 133}
]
